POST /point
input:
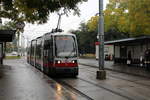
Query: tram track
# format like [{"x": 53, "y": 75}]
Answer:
[
  {"x": 117, "y": 77},
  {"x": 106, "y": 88},
  {"x": 68, "y": 86},
  {"x": 102, "y": 86},
  {"x": 64, "y": 84},
  {"x": 133, "y": 74}
]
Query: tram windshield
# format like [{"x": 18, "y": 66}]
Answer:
[{"x": 65, "y": 46}]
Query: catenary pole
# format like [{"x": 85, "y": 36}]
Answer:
[
  {"x": 101, "y": 35},
  {"x": 101, "y": 73}
]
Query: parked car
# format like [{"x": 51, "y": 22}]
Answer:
[{"x": 14, "y": 53}]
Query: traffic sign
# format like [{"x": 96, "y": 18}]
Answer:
[{"x": 20, "y": 25}]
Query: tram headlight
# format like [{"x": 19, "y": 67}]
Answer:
[
  {"x": 73, "y": 61},
  {"x": 58, "y": 62}
]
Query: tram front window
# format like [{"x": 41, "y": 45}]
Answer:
[{"x": 65, "y": 46}]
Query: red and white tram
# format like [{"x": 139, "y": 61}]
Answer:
[{"x": 54, "y": 53}]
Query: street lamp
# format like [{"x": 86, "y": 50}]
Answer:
[{"x": 101, "y": 73}]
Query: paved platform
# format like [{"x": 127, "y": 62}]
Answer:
[
  {"x": 20, "y": 81},
  {"x": 109, "y": 65}
]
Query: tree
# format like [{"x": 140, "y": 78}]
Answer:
[
  {"x": 35, "y": 10},
  {"x": 139, "y": 16},
  {"x": 111, "y": 30},
  {"x": 92, "y": 24},
  {"x": 8, "y": 26},
  {"x": 116, "y": 16},
  {"x": 127, "y": 17},
  {"x": 132, "y": 16},
  {"x": 86, "y": 39}
]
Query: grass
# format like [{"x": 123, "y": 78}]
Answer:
[
  {"x": 12, "y": 57},
  {"x": 88, "y": 56}
]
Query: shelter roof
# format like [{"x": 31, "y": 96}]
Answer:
[
  {"x": 7, "y": 35},
  {"x": 129, "y": 40}
]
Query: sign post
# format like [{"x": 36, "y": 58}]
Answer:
[{"x": 19, "y": 26}]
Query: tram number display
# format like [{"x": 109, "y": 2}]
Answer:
[{"x": 63, "y": 38}]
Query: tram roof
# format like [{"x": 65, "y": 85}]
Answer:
[
  {"x": 128, "y": 40},
  {"x": 39, "y": 37},
  {"x": 33, "y": 40},
  {"x": 63, "y": 33},
  {"x": 60, "y": 33}
]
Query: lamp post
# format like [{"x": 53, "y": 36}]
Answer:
[{"x": 101, "y": 73}]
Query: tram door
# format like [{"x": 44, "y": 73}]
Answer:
[
  {"x": 50, "y": 52},
  {"x": 47, "y": 54}
]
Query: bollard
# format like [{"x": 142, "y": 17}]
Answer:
[{"x": 101, "y": 74}]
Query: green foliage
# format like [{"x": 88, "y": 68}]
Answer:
[
  {"x": 93, "y": 23},
  {"x": 9, "y": 47},
  {"x": 122, "y": 19},
  {"x": 87, "y": 56},
  {"x": 8, "y": 26},
  {"x": 12, "y": 57},
  {"x": 127, "y": 17},
  {"x": 116, "y": 16},
  {"x": 139, "y": 16},
  {"x": 87, "y": 35},
  {"x": 86, "y": 39},
  {"x": 35, "y": 10}
]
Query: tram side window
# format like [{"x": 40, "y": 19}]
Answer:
[
  {"x": 46, "y": 45},
  {"x": 50, "y": 49},
  {"x": 38, "y": 52},
  {"x": 32, "y": 51}
]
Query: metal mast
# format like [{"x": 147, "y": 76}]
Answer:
[{"x": 101, "y": 73}]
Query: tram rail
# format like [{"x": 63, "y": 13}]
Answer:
[{"x": 110, "y": 75}]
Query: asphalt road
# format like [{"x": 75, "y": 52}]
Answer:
[{"x": 21, "y": 81}]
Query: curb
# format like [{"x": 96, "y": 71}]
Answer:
[{"x": 134, "y": 74}]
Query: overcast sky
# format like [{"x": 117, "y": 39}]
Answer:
[{"x": 88, "y": 9}]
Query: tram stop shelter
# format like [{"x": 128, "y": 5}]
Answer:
[
  {"x": 130, "y": 48},
  {"x": 5, "y": 36}
]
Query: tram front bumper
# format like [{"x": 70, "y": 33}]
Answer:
[{"x": 65, "y": 70}]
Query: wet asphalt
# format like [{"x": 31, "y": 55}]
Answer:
[{"x": 20, "y": 81}]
